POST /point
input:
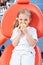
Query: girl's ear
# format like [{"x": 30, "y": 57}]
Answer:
[
  {"x": 17, "y": 19},
  {"x": 30, "y": 19},
  {"x": 16, "y": 23}
]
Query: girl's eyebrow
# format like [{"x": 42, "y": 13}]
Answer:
[{"x": 22, "y": 18}]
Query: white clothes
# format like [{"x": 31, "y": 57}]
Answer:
[
  {"x": 23, "y": 53},
  {"x": 22, "y": 58},
  {"x": 23, "y": 41}
]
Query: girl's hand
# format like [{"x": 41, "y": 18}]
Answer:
[
  {"x": 20, "y": 32},
  {"x": 23, "y": 28}
]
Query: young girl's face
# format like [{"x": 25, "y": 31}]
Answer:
[{"x": 24, "y": 18}]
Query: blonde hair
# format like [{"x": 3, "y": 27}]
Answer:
[
  {"x": 16, "y": 23},
  {"x": 23, "y": 11}
]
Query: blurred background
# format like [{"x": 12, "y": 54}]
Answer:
[{"x": 4, "y": 4}]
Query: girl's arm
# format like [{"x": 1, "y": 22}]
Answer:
[
  {"x": 30, "y": 38},
  {"x": 16, "y": 36},
  {"x": 16, "y": 40}
]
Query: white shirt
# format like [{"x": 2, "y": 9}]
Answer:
[{"x": 23, "y": 43}]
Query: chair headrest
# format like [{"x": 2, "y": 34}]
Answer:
[
  {"x": 22, "y": 1},
  {"x": 11, "y": 14}
]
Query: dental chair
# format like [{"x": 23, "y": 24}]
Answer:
[
  {"x": 7, "y": 28},
  {"x": 2, "y": 37}
]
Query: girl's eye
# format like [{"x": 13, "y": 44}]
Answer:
[
  {"x": 20, "y": 19},
  {"x": 25, "y": 19}
]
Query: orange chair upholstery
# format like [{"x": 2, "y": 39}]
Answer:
[
  {"x": 5, "y": 58},
  {"x": 7, "y": 27},
  {"x": 11, "y": 13},
  {"x": 2, "y": 37}
]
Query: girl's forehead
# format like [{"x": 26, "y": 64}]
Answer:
[{"x": 23, "y": 15}]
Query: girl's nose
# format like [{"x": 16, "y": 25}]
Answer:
[{"x": 22, "y": 21}]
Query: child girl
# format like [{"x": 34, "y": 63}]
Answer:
[{"x": 23, "y": 39}]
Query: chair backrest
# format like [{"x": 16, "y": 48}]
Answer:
[
  {"x": 11, "y": 13},
  {"x": 2, "y": 37}
]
